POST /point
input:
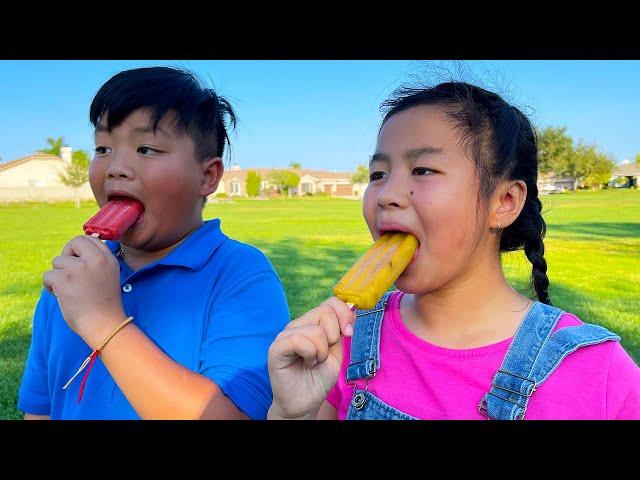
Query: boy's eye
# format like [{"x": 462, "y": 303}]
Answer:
[
  {"x": 420, "y": 171},
  {"x": 376, "y": 176},
  {"x": 147, "y": 150},
  {"x": 102, "y": 150}
]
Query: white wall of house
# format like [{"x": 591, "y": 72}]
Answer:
[
  {"x": 38, "y": 180},
  {"x": 36, "y": 172}
]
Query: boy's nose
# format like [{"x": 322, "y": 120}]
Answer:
[{"x": 118, "y": 168}]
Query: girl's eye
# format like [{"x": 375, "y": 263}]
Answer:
[
  {"x": 147, "y": 150},
  {"x": 102, "y": 150},
  {"x": 421, "y": 171},
  {"x": 375, "y": 176}
]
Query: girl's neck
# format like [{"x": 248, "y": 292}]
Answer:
[{"x": 479, "y": 309}]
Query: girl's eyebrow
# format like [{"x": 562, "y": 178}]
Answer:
[
  {"x": 414, "y": 153},
  {"x": 409, "y": 155}
]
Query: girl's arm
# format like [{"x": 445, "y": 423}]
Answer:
[
  {"x": 28, "y": 416},
  {"x": 327, "y": 412}
]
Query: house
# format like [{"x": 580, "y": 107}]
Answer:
[
  {"x": 552, "y": 183},
  {"x": 338, "y": 184},
  {"x": 36, "y": 178},
  {"x": 630, "y": 171}
]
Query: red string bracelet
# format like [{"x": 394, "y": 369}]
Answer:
[{"x": 91, "y": 359}]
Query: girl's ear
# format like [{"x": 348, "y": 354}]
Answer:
[
  {"x": 212, "y": 170},
  {"x": 506, "y": 204}
]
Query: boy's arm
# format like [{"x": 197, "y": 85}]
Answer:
[
  {"x": 243, "y": 322},
  {"x": 158, "y": 387},
  {"x": 34, "y": 396},
  {"x": 234, "y": 356},
  {"x": 233, "y": 382},
  {"x": 28, "y": 416}
]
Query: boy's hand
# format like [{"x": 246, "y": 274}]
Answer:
[
  {"x": 85, "y": 279},
  {"x": 305, "y": 359}
]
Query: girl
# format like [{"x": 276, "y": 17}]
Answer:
[{"x": 456, "y": 166}]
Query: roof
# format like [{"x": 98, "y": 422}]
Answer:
[
  {"x": 34, "y": 156},
  {"x": 301, "y": 172},
  {"x": 626, "y": 169}
]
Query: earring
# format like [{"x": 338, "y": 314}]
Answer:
[{"x": 499, "y": 226}]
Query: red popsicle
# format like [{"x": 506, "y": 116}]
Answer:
[{"x": 114, "y": 218}]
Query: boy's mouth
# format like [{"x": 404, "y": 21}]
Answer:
[{"x": 121, "y": 195}]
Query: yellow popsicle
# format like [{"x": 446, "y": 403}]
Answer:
[{"x": 372, "y": 275}]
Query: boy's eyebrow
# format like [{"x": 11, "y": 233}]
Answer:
[
  {"x": 410, "y": 154},
  {"x": 149, "y": 129},
  {"x": 379, "y": 157},
  {"x": 137, "y": 130}
]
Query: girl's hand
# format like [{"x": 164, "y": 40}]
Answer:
[
  {"x": 85, "y": 279},
  {"x": 305, "y": 359}
]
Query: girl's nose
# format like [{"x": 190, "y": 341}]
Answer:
[{"x": 394, "y": 193}]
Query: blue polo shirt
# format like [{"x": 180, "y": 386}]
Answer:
[{"x": 213, "y": 304}]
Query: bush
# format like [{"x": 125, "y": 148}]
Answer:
[
  {"x": 221, "y": 195},
  {"x": 253, "y": 183}
]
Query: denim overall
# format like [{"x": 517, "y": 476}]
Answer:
[{"x": 532, "y": 356}]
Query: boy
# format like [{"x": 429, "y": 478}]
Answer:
[{"x": 205, "y": 307}]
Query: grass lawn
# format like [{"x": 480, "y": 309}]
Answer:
[{"x": 592, "y": 248}]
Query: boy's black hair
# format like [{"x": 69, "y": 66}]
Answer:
[
  {"x": 502, "y": 142},
  {"x": 201, "y": 113}
]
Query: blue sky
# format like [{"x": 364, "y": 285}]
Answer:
[{"x": 323, "y": 114}]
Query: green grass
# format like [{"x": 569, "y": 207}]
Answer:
[{"x": 592, "y": 248}]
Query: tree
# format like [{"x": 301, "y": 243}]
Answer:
[
  {"x": 284, "y": 180},
  {"x": 253, "y": 183},
  {"x": 597, "y": 166},
  {"x": 76, "y": 173},
  {"x": 295, "y": 165},
  {"x": 55, "y": 144},
  {"x": 555, "y": 151},
  {"x": 638, "y": 158},
  {"x": 361, "y": 175}
]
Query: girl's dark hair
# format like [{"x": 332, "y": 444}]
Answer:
[
  {"x": 501, "y": 140},
  {"x": 201, "y": 113}
]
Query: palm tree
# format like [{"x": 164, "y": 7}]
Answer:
[{"x": 55, "y": 144}]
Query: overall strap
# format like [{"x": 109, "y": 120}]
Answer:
[
  {"x": 518, "y": 378},
  {"x": 513, "y": 385},
  {"x": 365, "y": 342},
  {"x": 565, "y": 341}
]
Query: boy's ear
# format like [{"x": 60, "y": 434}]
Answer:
[
  {"x": 507, "y": 203},
  {"x": 212, "y": 170}
]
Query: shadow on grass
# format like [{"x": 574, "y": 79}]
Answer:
[
  {"x": 592, "y": 310},
  {"x": 13, "y": 355},
  {"x": 596, "y": 230},
  {"x": 309, "y": 272}
]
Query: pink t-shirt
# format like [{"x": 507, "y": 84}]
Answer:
[{"x": 435, "y": 383}]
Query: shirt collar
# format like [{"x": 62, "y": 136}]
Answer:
[{"x": 194, "y": 251}]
